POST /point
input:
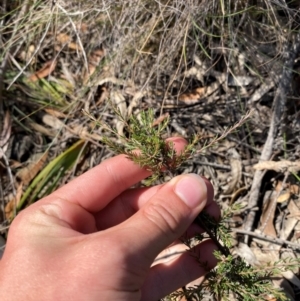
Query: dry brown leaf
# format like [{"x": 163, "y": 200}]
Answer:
[
  {"x": 63, "y": 38},
  {"x": 83, "y": 27},
  {"x": 96, "y": 57},
  {"x": 268, "y": 214},
  {"x": 283, "y": 190},
  {"x": 45, "y": 71},
  {"x": 52, "y": 121},
  {"x": 84, "y": 133},
  {"x": 118, "y": 100},
  {"x": 236, "y": 170},
  {"x": 67, "y": 76},
  {"x": 195, "y": 95},
  {"x": 25, "y": 55},
  {"x": 104, "y": 94},
  {"x": 9, "y": 209},
  {"x": 13, "y": 202},
  {"x": 289, "y": 223},
  {"x": 74, "y": 46},
  {"x": 137, "y": 96},
  {"x": 284, "y": 197},
  {"x": 55, "y": 113},
  {"x": 280, "y": 166},
  {"x": 195, "y": 72},
  {"x": 293, "y": 208},
  {"x": 28, "y": 173},
  {"x": 5, "y": 135},
  {"x": 93, "y": 61},
  {"x": 198, "y": 93},
  {"x": 14, "y": 164},
  {"x": 43, "y": 130},
  {"x": 66, "y": 39},
  {"x": 295, "y": 189},
  {"x": 160, "y": 119},
  {"x": 106, "y": 79}
]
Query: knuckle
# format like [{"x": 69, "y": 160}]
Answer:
[
  {"x": 162, "y": 217},
  {"x": 36, "y": 216}
]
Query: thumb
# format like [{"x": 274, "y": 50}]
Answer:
[{"x": 166, "y": 216}]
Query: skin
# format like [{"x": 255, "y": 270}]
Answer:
[{"x": 97, "y": 239}]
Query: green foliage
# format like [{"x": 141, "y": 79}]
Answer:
[
  {"x": 245, "y": 282},
  {"x": 145, "y": 144},
  {"x": 234, "y": 279},
  {"x": 46, "y": 181},
  {"x": 48, "y": 92}
]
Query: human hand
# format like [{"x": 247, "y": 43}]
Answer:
[{"x": 97, "y": 239}]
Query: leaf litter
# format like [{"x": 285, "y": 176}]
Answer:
[{"x": 201, "y": 63}]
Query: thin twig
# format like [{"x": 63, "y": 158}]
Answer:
[
  {"x": 271, "y": 239},
  {"x": 226, "y": 132},
  {"x": 211, "y": 164}
]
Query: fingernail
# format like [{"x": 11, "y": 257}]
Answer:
[{"x": 192, "y": 190}]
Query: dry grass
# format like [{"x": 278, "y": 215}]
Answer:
[{"x": 203, "y": 62}]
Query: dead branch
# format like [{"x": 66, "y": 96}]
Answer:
[
  {"x": 277, "y": 241},
  {"x": 280, "y": 166},
  {"x": 289, "y": 55}
]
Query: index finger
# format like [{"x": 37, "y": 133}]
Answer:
[{"x": 99, "y": 186}]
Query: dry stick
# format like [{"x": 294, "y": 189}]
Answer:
[
  {"x": 278, "y": 109},
  {"x": 271, "y": 239}
]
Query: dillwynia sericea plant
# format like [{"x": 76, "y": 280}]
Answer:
[{"x": 233, "y": 277}]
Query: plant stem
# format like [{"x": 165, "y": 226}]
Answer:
[{"x": 202, "y": 224}]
